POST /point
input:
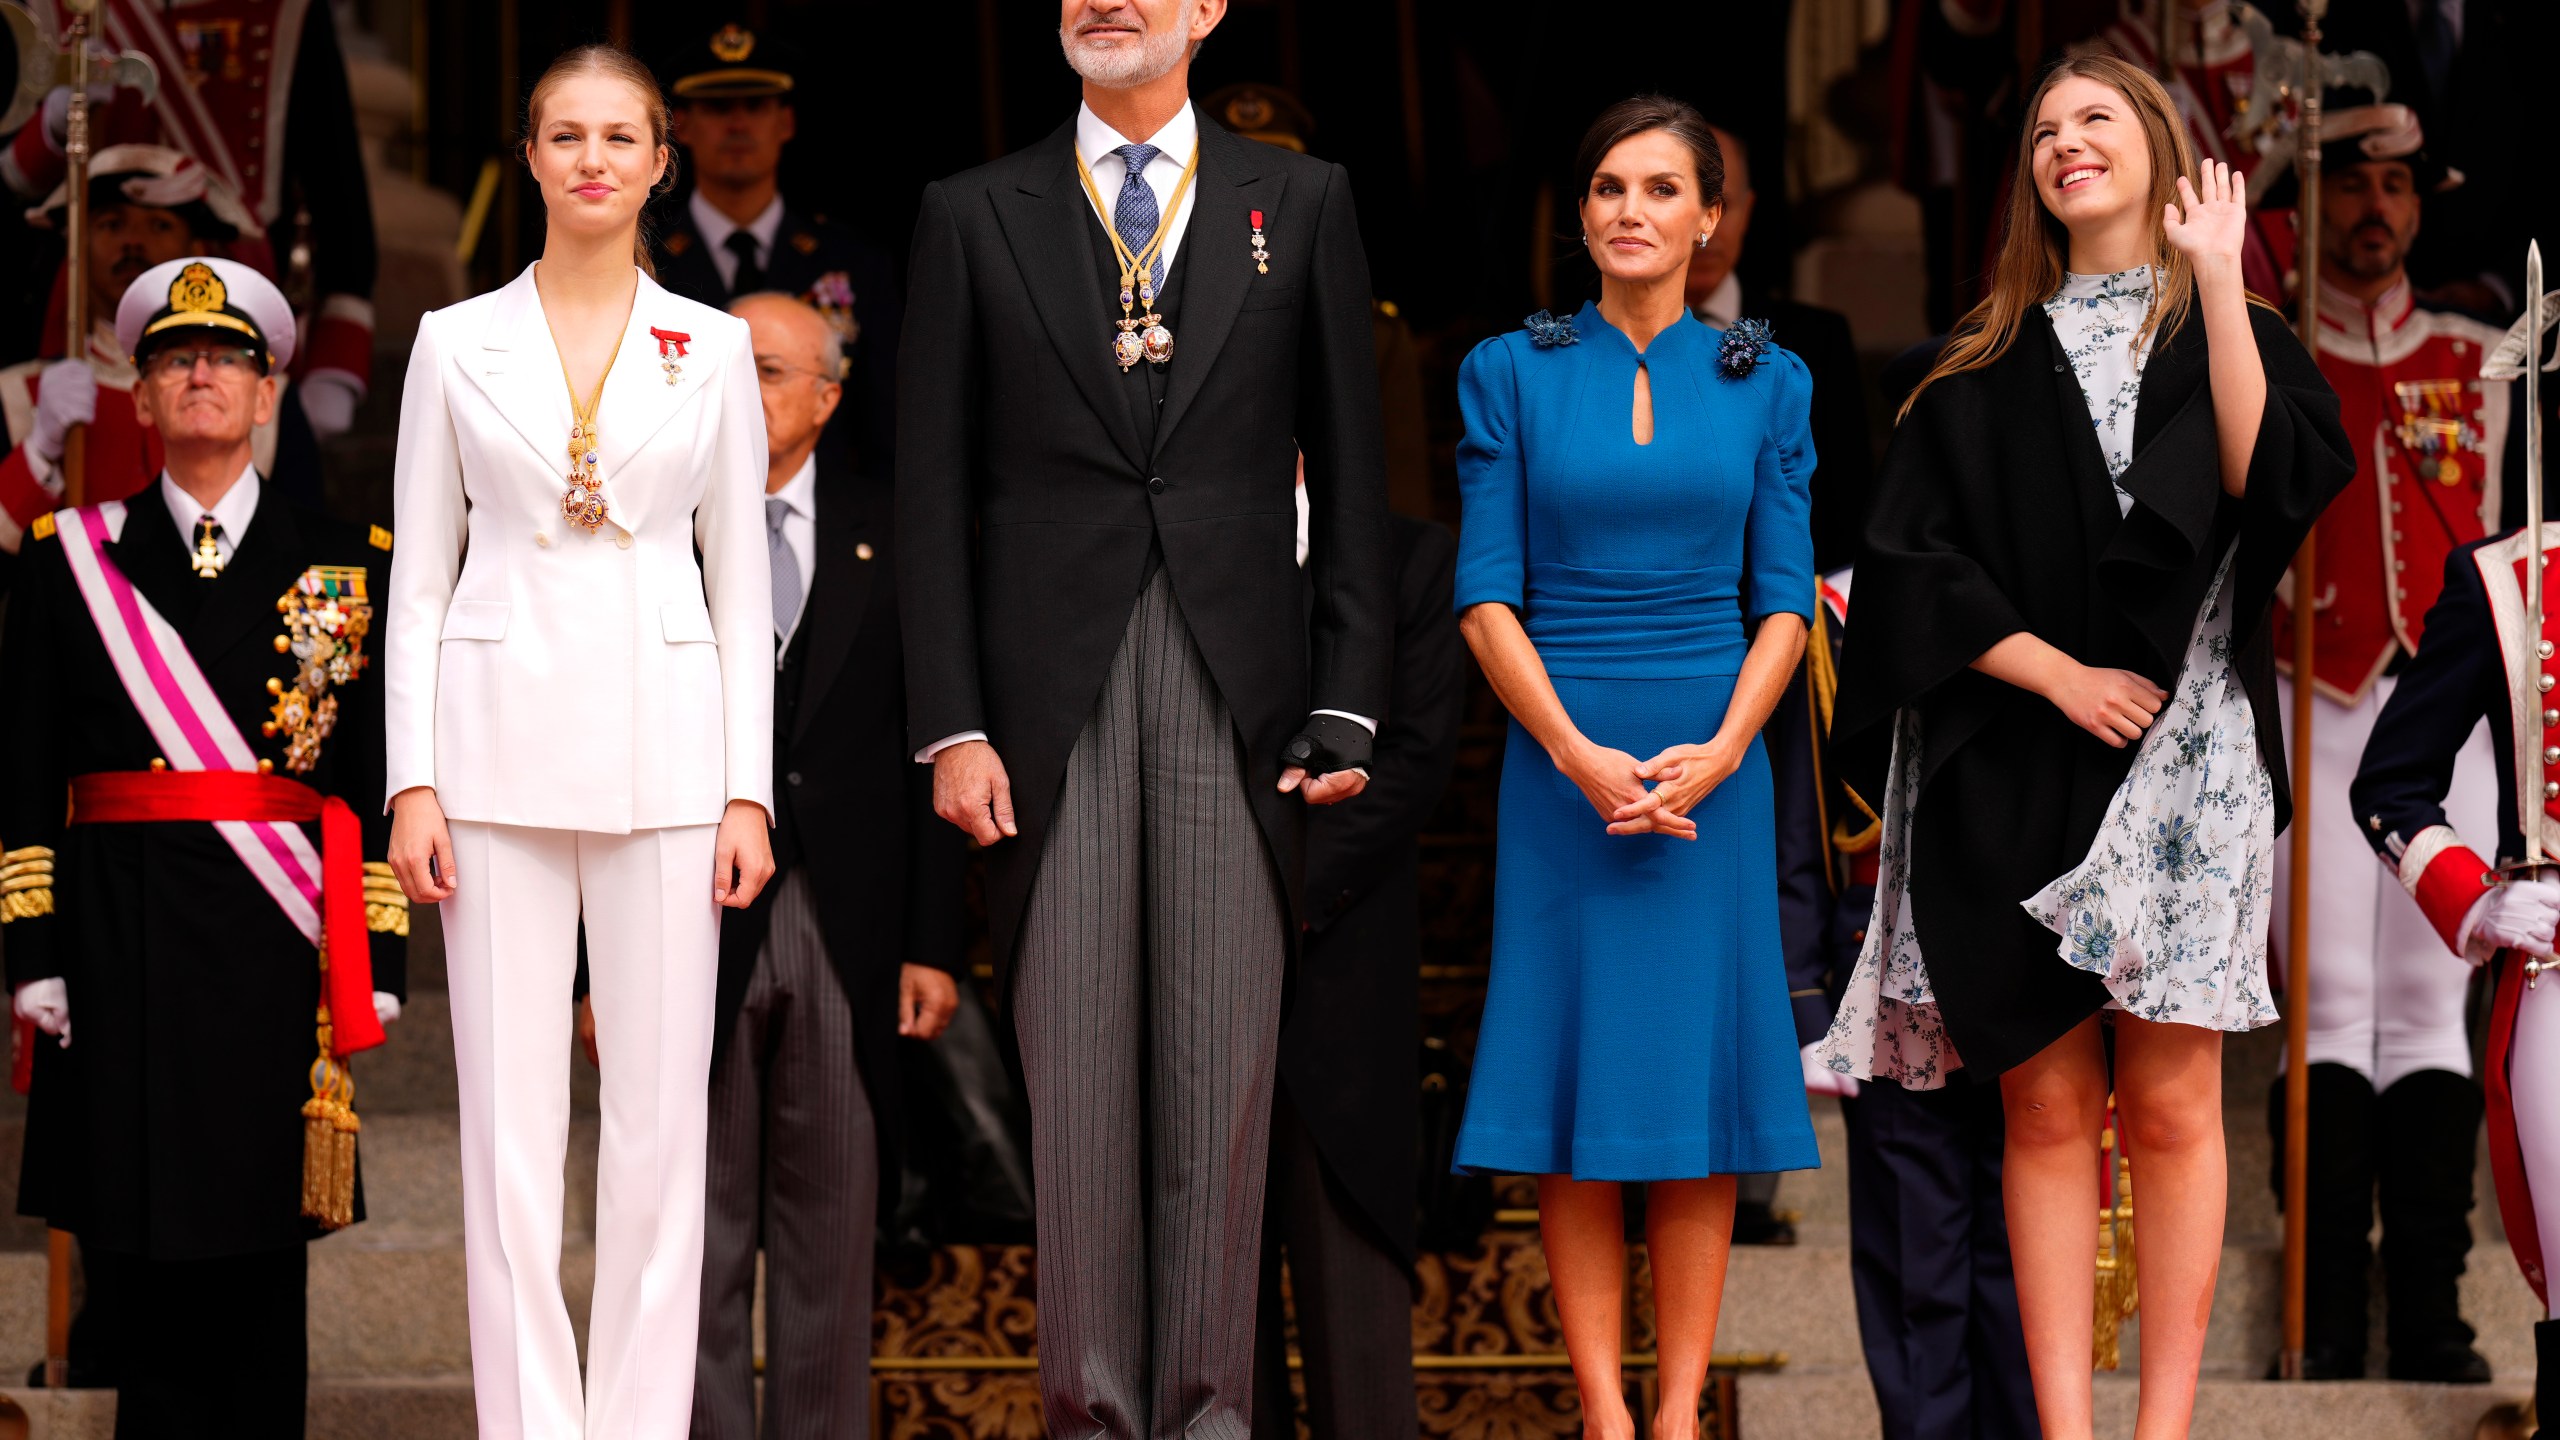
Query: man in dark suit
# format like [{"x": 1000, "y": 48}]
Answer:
[
  {"x": 1115, "y": 671},
  {"x": 1821, "y": 339},
  {"x": 1340, "y": 1207},
  {"x": 1928, "y": 1234},
  {"x": 855, "y": 942},
  {"x": 736, "y": 235}
]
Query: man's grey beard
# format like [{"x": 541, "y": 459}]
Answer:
[{"x": 1126, "y": 65}]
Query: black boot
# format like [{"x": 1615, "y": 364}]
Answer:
[
  {"x": 2335, "y": 1297},
  {"x": 2427, "y": 1129},
  {"x": 2546, "y": 1376}
]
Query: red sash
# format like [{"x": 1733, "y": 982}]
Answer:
[
  {"x": 128, "y": 797},
  {"x": 2506, "y": 1157}
]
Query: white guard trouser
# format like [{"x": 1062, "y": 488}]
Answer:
[
  {"x": 653, "y": 938},
  {"x": 2386, "y": 995}
]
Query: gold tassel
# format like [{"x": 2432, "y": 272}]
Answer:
[
  {"x": 329, "y": 1129},
  {"x": 2118, "y": 1293}
]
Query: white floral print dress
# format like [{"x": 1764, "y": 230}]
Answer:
[{"x": 2169, "y": 908}]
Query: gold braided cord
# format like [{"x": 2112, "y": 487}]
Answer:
[
  {"x": 26, "y": 883},
  {"x": 386, "y": 905},
  {"x": 1142, "y": 262}
]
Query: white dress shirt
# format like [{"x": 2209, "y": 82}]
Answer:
[
  {"x": 799, "y": 531},
  {"x": 716, "y": 229},
  {"x": 1175, "y": 143},
  {"x": 232, "y": 512}
]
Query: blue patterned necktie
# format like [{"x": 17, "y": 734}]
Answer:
[
  {"x": 1134, "y": 213},
  {"x": 786, "y": 567}
]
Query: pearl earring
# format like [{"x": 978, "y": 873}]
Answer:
[{"x": 1702, "y": 242}]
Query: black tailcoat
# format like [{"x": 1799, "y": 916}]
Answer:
[
  {"x": 1821, "y": 339},
  {"x": 848, "y": 802},
  {"x": 1038, "y": 482},
  {"x": 807, "y": 249},
  {"x": 172, "y": 1127},
  {"x": 1993, "y": 515},
  {"x": 1348, "y": 1045}
]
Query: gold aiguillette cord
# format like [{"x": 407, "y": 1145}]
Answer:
[{"x": 1137, "y": 270}]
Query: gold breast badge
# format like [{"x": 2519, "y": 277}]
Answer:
[
  {"x": 326, "y": 617},
  {"x": 208, "y": 557}
]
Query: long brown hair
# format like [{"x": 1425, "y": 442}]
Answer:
[
  {"x": 2034, "y": 247},
  {"x": 620, "y": 64}
]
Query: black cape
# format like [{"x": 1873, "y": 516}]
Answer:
[{"x": 1994, "y": 514}]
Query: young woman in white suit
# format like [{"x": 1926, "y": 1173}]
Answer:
[{"x": 581, "y": 725}]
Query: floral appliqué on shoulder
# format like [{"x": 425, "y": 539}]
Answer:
[
  {"x": 1744, "y": 347},
  {"x": 1547, "y": 332}
]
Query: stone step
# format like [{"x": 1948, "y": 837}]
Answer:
[
  {"x": 1810, "y": 1401},
  {"x": 426, "y": 1407}
]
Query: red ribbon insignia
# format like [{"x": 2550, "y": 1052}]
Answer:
[
  {"x": 671, "y": 343},
  {"x": 1257, "y": 219}
]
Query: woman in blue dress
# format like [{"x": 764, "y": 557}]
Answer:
[{"x": 1635, "y": 575}]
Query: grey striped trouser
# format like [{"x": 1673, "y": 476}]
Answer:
[
  {"x": 795, "y": 1167},
  {"x": 1147, "y": 1000}
]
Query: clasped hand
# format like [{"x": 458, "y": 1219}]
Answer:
[{"x": 1650, "y": 797}]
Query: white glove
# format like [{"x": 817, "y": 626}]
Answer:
[
  {"x": 329, "y": 402},
  {"x": 386, "y": 1007},
  {"x": 46, "y": 1004},
  {"x": 2519, "y": 915},
  {"x": 1821, "y": 1079},
  {"x": 67, "y": 395}
]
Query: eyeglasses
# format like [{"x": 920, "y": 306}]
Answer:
[
  {"x": 774, "y": 372},
  {"x": 227, "y": 361}
]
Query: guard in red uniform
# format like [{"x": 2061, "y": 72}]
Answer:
[
  {"x": 256, "y": 91},
  {"x": 147, "y": 204},
  {"x": 2485, "y": 662},
  {"x": 2394, "y": 1107}
]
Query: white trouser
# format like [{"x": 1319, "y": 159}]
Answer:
[
  {"x": 2386, "y": 993},
  {"x": 653, "y": 935},
  {"x": 2534, "y": 1079}
]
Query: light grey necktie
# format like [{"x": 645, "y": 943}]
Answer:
[{"x": 786, "y": 567}]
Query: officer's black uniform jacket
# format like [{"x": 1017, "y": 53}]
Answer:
[
  {"x": 809, "y": 248},
  {"x": 172, "y": 1128},
  {"x": 2457, "y": 679}
]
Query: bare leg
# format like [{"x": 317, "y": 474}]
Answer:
[
  {"x": 2169, "y": 1101},
  {"x": 2055, "y": 1104},
  {"x": 1584, "y": 1232},
  {"x": 1688, "y": 1230}
]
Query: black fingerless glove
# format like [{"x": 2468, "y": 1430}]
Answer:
[{"x": 1328, "y": 743}]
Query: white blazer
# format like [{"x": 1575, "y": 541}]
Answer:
[{"x": 538, "y": 674}]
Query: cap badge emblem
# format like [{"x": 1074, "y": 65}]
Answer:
[{"x": 732, "y": 43}]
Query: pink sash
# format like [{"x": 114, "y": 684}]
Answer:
[{"x": 192, "y": 729}]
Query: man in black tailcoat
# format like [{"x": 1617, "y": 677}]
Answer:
[
  {"x": 1346, "y": 1125},
  {"x": 855, "y": 943},
  {"x": 1117, "y": 674},
  {"x": 735, "y": 234}
]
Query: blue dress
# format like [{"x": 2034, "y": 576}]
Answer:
[{"x": 1636, "y": 1026}]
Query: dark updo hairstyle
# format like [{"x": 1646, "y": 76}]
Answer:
[
  {"x": 622, "y": 65},
  {"x": 1634, "y": 116}
]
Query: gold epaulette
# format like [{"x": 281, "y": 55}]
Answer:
[
  {"x": 41, "y": 528},
  {"x": 386, "y": 905},
  {"x": 379, "y": 538},
  {"x": 26, "y": 883}
]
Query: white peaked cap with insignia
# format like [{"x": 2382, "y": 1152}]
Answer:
[{"x": 209, "y": 294}]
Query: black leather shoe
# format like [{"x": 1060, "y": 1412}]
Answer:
[
  {"x": 2321, "y": 1362},
  {"x": 2451, "y": 1363},
  {"x": 1755, "y": 1224}
]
